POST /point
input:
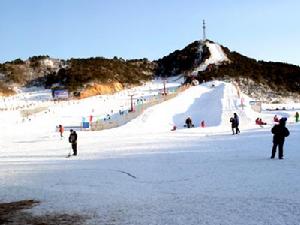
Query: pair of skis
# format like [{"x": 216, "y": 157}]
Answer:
[{"x": 69, "y": 154}]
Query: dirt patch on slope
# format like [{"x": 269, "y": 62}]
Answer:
[
  {"x": 101, "y": 89},
  {"x": 13, "y": 214}
]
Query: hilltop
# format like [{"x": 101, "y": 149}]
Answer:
[{"x": 259, "y": 79}]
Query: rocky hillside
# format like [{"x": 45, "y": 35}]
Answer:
[
  {"x": 19, "y": 73},
  {"x": 82, "y": 72},
  {"x": 86, "y": 75}
]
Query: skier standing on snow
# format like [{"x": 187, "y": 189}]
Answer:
[
  {"x": 297, "y": 117},
  {"x": 73, "y": 141},
  {"x": 237, "y": 123},
  {"x": 280, "y": 132}
]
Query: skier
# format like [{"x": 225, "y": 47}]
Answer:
[
  {"x": 237, "y": 123},
  {"x": 297, "y": 117},
  {"x": 73, "y": 141},
  {"x": 280, "y": 132}
]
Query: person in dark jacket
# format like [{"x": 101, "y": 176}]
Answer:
[
  {"x": 73, "y": 141},
  {"x": 233, "y": 124},
  {"x": 188, "y": 122},
  {"x": 237, "y": 123},
  {"x": 280, "y": 133}
]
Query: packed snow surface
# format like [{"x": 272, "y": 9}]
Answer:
[{"x": 144, "y": 173}]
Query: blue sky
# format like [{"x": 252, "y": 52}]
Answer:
[{"x": 265, "y": 29}]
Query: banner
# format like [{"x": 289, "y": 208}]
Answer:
[{"x": 60, "y": 94}]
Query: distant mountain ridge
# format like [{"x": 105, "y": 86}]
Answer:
[{"x": 195, "y": 61}]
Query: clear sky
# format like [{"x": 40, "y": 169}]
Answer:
[{"x": 261, "y": 29}]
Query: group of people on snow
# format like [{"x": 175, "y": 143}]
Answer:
[
  {"x": 279, "y": 131},
  {"x": 189, "y": 123},
  {"x": 72, "y": 138},
  {"x": 260, "y": 122}
]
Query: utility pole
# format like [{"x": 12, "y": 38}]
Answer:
[
  {"x": 131, "y": 102},
  {"x": 165, "y": 91}
]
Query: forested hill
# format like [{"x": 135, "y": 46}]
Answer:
[
  {"x": 101, "y": 70},
  {"x": 75, "y": 74},
  {"x": 181, "y": 61}
]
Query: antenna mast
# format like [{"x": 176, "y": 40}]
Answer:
[{"x": 204, "y": 32}]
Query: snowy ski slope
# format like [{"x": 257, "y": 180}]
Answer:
[{"x": 143, "y": 173}]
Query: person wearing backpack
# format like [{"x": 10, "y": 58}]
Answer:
[
  {"x": 73, "y": 141},
  {"x": 280, "y": 132}
]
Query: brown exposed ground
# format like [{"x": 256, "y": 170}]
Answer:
[
  {"x": 13, "y": 214},
  {"x": 101, "y": 89}
]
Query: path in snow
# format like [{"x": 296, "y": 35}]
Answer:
[{"x": 217, "y": 56}]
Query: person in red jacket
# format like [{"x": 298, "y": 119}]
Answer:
[
  {"x": 202, "y": 124},
  {"x": 61, "y": 130}
]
